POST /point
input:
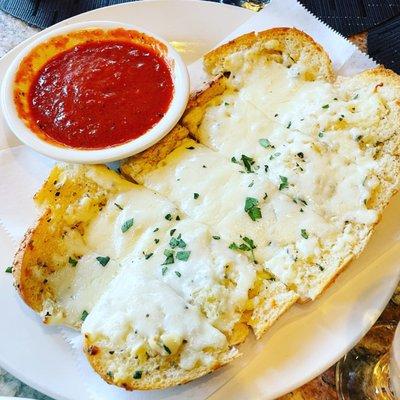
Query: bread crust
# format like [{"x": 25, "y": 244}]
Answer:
[{"x": 154, "y": 381}]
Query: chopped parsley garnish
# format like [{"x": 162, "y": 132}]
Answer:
[
  {"x": 110, "y": 374},
  {"x": 247, "y": 245},
  {"x": 359, "y": 137},
  {"x": 341, "y": 118},
  {"x": 248, "y": 163},
  {"x": 355, "y": 97},
  {"x": 251, "y": 184},
  {"x": 171, "y": 232},
  {"x": 266, "y": 168},
  {"x": 265, "y": 196},
  {"x": 137, "y": 375},
  {"x": 167, "y": 349},
  {"x": 168, "y": 217},
  {"x": 177, "y": 242},
  {"x": 9, "y": 270},
  {"x": 274, "y": 156},
  {"x": 157, "y": 229},
  {"x": 147, "y": 256},
  {"x": 127, "y": 225},
  {"x": 103, "y": 260},
  {"x": 72, "y": 261},
  {"x": 302, "y": 201},
  {"x": 233, "y": 159},
  {"x": 300, "y": 155},
  {"x": 321, "y": 268},
  {"x": 321, "y": 134},
  {"x": 304, "y": 234},
  {"x": 264, "y": 143},
  {"x": 183, "y": 255},
  {"x": 169, "y": 254},
  {"x": 226, "y": 104},
  {"x": 164, "y": 270},
  {"x": 276, "y": 115},
  {"x": 289, "y": 125},
  {"x": 84, "y": 315},
  {"x": 325, "y": 106},
  {"x": 178, "y": 274},
  {"x": 177, "y": 218},
  {"x": 216, "y": 237},
  {"x": 190, "y": 148},
  {"x": 284, "y": 182},
  {"x": 251, "y": 207},
  {"x": 156, "y": 241},
  {"x": 196, "y": 196},
  {"x": 118, "y": 206}
]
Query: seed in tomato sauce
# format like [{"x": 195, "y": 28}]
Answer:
[{"x": 100, "y": 94}]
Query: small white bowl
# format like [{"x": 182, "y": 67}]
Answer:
[{"x": 159, "y": 130}]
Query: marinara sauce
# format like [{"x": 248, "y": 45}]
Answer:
[{"x": 100, "y": 94}]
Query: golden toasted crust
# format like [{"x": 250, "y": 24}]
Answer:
[
  {"x": 293, "y": 42},
  {"x": 161, "y": 378}
]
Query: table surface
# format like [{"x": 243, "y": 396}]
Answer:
[{"x": 14, "y": 31}]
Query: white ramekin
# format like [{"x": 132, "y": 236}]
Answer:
[{"x": 178, "y": 103}]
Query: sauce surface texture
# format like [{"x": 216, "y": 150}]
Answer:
[{"x": 100, "y": 94}]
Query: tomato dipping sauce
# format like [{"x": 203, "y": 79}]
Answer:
[{"x": 100, "y": 94}]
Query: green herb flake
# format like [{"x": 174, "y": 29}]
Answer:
[
  {"x": 156, "y": 230},
  {"x": 72, "y": 261},
  {"x": 164, "y": 270},
  {"x": 183, "y": 255},
  {"x": 84, "y": 315},
  {"x": 250, "y": 207},
  {"x": 166, "y": 348},
  {"x": 178, "y": 274},
  {"x": 359, "y": 137},
  {"x": 169, "y": 254},
  {"x": 247, "y": 245},
  {"x": 103, "y": 260},
  {"x": 248, "y": 163},
  {"x": 355, "y": 97},
  {"x": 190, "y": 148},
  {"x": 274, "y": 156},
  {"x": 251, "y": 184},
  {"x": 110, "y": 374},
  {"x": 196, "y": 196},
  {"x": 264, "y": 143},
  {"x": 147, "y": 256},
  {"x": 321, "y": 134},
  {"x": 127, "y": 225},
  {"x": 289, "y": 125},
  {"x": 321, "y": 268},
  {"x": 325, "y": 106},
  {"x": 137, "y": 375},
  {"x": 233, "y": 159},
  {"x": 118, "y": 206},
  {"x": 168, "y": 217},
  {"x": 284, "y": 182},
  {"x": 216, "y": 237},
  {"x": 265, "y": 197},
  {"x": 171, "y": 232},
  {"x": 304, "y": 234},
  {"x": 9, "y": 270},
  {"x": 226, "y": 103}
]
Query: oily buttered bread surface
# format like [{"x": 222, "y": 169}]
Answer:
[
  {"x": 270, "y": 184},
  {"x": 301, "y": 161}
]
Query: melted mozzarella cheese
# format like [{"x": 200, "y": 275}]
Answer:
[
  {"x": 138, "y": 310},
  {"x": 279, "y": 120},
  {"x": 213, "y": 278}
]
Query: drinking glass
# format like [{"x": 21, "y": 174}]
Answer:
[{"x": 371, "y": 370}]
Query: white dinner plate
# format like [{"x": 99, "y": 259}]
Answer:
[{"x": 302, "y": 344}]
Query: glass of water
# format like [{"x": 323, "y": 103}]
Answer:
[{"x": 371, "y": 370}]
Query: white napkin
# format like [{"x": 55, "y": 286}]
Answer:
[{"x": 22, "y": 172}]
